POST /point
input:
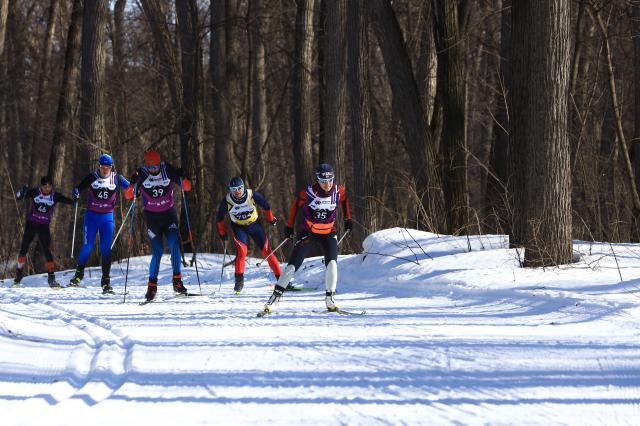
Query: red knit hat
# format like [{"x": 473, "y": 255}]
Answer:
[{"x": 151, "y": 158}]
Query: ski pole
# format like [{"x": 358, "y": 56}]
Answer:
[
  {"x": 131, "y": 231},
  {"x": 73, "y": 237},
  {"x": 121, "y": 226},
  {"x": 272, "y": 251},
  {"x": 223, "y": 265},
  {"x": 193, "y": 246},
  {"x": 344, "y": 235}
]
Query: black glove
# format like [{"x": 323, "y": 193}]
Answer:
[
  {"x": 288, "y": 232},
  {"x": 223, "y": 237},
  {"x": 274, "y": 222},
  {"x": 134, "y": 177},
  {"x": 22, "y": 192},
  {"x": 348, "y": 225},
  {"x": 75, "y": 194}
]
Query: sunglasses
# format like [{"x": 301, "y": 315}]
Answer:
[
  {"x": 236, "y": 188},
  {"x": 321, "y": 180},
  {"x": 154, "y": 167}
]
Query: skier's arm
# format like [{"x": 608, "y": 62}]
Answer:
[
  {"x": 122, "y": 182},
  {"x": 88, "y": 180},
  {"x": 26, "y": 192},
  {"x": 346, "y": 210},
  {"x": 264, "y": 205},
  {"x": 177, "y": 176},
  {"x": 297, "y": 202},
  {"x": 59, "y": 198},
  {"x": 222, "y": 212}
]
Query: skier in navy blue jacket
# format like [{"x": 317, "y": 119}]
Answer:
[{"x": 102, "y": 186}]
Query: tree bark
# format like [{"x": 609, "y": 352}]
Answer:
[
  {"x": 541, "y": 61},
  {"x": 301, "y": 93},
  {"x": 119, "y": 77},
  {"x": 4, "y": 11},
  {"x": 498, "y": 201},
  {"x": 191, "y": 121},
  {"x": 92, "y": 77},
  {"x": 66, "y": 97},
  {"x": 333, "y": 96},
  {"x": 454, "y": 139},
  {"x": 363, "y": 193},
  {"x": 219, "y": 94},
  {"x": 406, "y": 102},
  {"x": 37, "y": 159}
]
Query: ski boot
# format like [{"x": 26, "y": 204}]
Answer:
[
  {"x": 178, "y": 287},
  {"x": 330, "y": 301},
  {"x": 18, "y": 279},
  {"x": 106, "y": 285},
  {"x": 77, "y": 278},
  {"x": 152, "y": 289},
  {"x": 51, "y": 279},
  {"x": 239, "y": 283},
  {"x": 274, "y": 300}
]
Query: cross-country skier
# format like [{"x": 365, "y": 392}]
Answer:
[
  {"x": 156, "y": 181},
  {"x": 102, "y": 186},
  {"x": 44, "y": 200},
  {"x": 318, "y": 202},
  {"x": 240, "y": 203}
]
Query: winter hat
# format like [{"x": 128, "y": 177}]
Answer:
[{"x": 151, "y": 158}]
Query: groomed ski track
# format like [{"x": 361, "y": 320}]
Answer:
[{"x": 449, "y": 337}]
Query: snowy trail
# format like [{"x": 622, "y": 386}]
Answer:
[{"x": 451, "y": 338}]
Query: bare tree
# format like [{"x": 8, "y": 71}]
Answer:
[
  {"x": 191, "y": 120},
  {"x": 37, "y": 160},
  {"x": 92, "y": 76},
  {"x": 361, "y": 138},
  {"x": 119, "y": 78},
  {"x": 301, "y": 93},
  {"x": 219, "y": 92},
  {"x": 333, "y": 93},
  {"x": 406, "y": 102},
  {"x": 540, "y": 60},
  {"x": 451, "y": 66},
  {"x": 4, "y": 11}
]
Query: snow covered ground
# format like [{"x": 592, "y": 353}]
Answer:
[{"x": 450, "y": 336}]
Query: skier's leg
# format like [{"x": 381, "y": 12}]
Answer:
[
  {"x": 261, "y": 240},
  {"x": 330, "y": 248},
  {"x": 240, "y": 240},
  {"x": 106, "y": 237},
  {"x": 27, "y": 237}
]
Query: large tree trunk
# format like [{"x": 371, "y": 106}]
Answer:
[
  {"x": 258, "y": 94},
  {"x": 4, "y": 11},
  {"x": 301, "y": 93},
  {"x": 333, "y": 97},
  {"x": 406, "y": 102},
  {"x": 497, "y": 201},
  {"x": 191, "y": 121},
  {"x": 119, "y": 78},
  {"x": 37, "y": 143},
  {"x": 169, "y": 61},
  {"x": 219, "y": 93},
  {"x": 635, "y": 145},
  {"x": 66, "y": 97},
  {"x": 541, "y": 64},
  {"x": 363, "y": 194},
  {"x": 61, "y": 147},
  {"x": 92, "y": 77},
  {"x": 16, "y": 92},
  {"x": 454, "y": 140}
]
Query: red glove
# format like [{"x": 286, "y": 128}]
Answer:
[
  {"x": 186, "y": 184},
  {"x": 128, "y": 193}
]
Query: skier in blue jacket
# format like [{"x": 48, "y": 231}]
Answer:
[{"x": 102, "y": 186}]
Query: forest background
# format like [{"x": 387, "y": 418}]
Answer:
[{"x": 457, "y": 117}]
